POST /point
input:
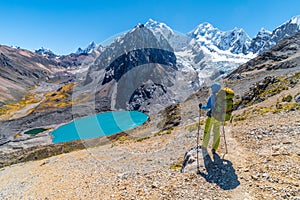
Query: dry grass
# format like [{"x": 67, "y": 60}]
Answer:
[
  {"x": 28, "y": 99},
  {"x": 59, "y": 99}
]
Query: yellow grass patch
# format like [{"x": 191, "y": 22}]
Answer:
[{"x": 15, "y": 106}]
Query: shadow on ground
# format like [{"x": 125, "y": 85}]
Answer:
[{"x": 219, "y": 171}]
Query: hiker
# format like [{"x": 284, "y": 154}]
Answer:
[{"x": 211, "y": 122}]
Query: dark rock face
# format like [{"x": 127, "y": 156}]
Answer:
[
  {"x": 48, "y": 52},
  {"x": 87, "y": 50},
  {"x": 173, "y": 117},
  {"x": 4, "y": 60},
  {"x": 135, "y": 58},
  {"x": 141, "y": 96}
]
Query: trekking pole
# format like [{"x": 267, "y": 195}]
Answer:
[
  {"x": 226, "y": 151},
  {"x": 198, "y": 137}
]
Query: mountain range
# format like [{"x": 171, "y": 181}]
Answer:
[
  {"x": 236, "y": 41},
  {"x": 205, "y": 52},
  {"x": 211, "y": 52},
  {"x": 147, "y": 68},
  {"x": 199, "y": 57},
  {"x": 165, "y": 74}
]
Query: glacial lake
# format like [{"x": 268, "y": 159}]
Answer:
[{"x": 103, "y": 124}]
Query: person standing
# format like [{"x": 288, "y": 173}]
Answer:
[{"x": 211, "y": 122}]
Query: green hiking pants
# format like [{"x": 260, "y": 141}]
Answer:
[{"x": 211, "y": 123}]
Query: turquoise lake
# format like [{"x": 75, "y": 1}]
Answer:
[{"x": 99, "y": 125}]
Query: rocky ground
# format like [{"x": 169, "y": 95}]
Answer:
[{"x": 262, "y": 163}]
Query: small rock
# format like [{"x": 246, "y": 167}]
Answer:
[
  {"x": 254, "y": 177},
  {"x": 246, "y": 170},
  {"x": 154, "y": 185},
  {"x": 45, "y": 162},
  {"x": 297, "y": 98},
  {"x": 266, "y": 175},
  {"x": 259, "y": 137},
  {"x": 122, "y": 176}
]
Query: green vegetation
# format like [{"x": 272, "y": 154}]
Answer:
[
  {"x": 239, "y": 118},
  {"x": 142, "y": 139},
  {"x": 237, "y": 103},
  {"x": 279, "y": 107},
  {"x": 122, "y": 138},
  {"x": 176, "y": 167},
  {"x": 164, "y": 132},
  {"x": 266, "y": 88},
  {"x": 287, "y": 98},
  {"x": 287, "y": 107},
  {"x": 193, "y": 127}
]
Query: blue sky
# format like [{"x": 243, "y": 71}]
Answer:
[{"x": 65, "y": 25}]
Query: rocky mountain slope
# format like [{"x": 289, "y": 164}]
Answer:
[
  {"x": 137, "y": 62},
  {"x": 283, "y": 56},
  {"x": 20, "y": 70},
  {"x": 144, "y": 163}
]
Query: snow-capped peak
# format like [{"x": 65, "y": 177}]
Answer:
[
  {"x": 264, "y": 31},
  {"x": 288, "y": 28},
  {"x": 44, "y": 51},
  {"x": 159, "y": 27},
  {"x": 152, "y": 24},
  {"x": 236, "y": 41},
  {"x": 295, "y": 20},
  {"x": 87, "y": 50},
  {"x": 205, "y": 27},
  {"x": 204, "y": 30}
]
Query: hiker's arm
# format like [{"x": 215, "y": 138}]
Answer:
[{"x": 208, "y": 105}]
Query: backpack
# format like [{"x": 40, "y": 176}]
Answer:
[{"x": 223, "y": 105}]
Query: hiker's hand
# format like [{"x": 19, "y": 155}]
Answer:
[{"x": 200, "y": 105}]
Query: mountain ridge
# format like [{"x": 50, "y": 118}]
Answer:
[{"x": 289, "y": 27}]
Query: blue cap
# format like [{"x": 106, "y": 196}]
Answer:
[{"x": 215, "y": 87}]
